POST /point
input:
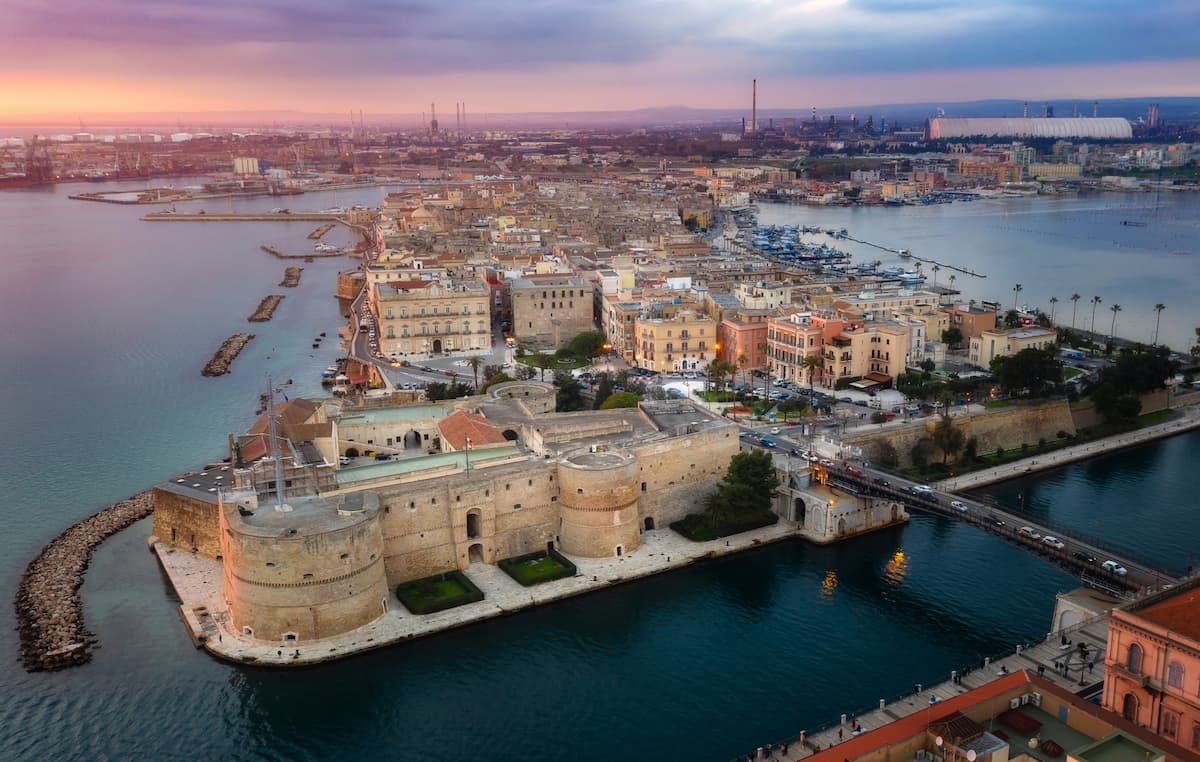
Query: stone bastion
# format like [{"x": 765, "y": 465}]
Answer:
[{"x": 598, "y": 498}]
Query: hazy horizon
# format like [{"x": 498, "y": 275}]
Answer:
[{"x": 395, "y": 57}]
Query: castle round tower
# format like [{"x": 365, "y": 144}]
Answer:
[
  {"x": 311, "y": 571},
  {"x": 598, "y": 495}
]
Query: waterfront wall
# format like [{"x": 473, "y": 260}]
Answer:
[
  {"x": 678, "y": 473},
  {"x": 1006, "y": 427},
  {"x": 186, "y": 520}
]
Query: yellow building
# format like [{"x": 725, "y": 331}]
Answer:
[
  {"x": 421, "y": 318},
  {"x": 687, "y": 341},
  {"x": 996, "y": 171},
  {"x": 1047, "y": 169},
  {"x": 876, "y": 348},
  {"x": 995, "y": 343}
]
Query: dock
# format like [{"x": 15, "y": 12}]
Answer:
[
  {"x": 203, "y": 216},
  {"x": 924, "y": 260},
  {"x": 273, "y": 251},
  {"x": 321, "y": 231}
]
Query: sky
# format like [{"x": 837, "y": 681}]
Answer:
[{"x": 506, "y": 56}]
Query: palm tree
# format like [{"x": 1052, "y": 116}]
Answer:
[
  {"x": 1158, "y": 308},
  {"x": 953, "y": 278},
  {"x": 1053, "y": 304},
  {"x": 1074, "y": 303},
  {"x": 1095, "y": 300},
  {"x": 812, "y": 363},
  {"x": 935, "y": 272},
  {"x": 765, "y": 348},
  {"x": 743, "y": 361},
  {"x": 475, "y": 362},
  {"x": 1017, "y": 289},
  {"x": 1112, "y": 332}
]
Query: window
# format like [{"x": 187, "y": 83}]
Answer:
[
  {"x": 1196, "y": 735},
  {"x": 1175, "y": 675},
  {"x": 1170, "y": 724},
  {"x": 1134, "y": 662}
]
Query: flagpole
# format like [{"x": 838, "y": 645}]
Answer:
[{"x": 467, "y": 452}]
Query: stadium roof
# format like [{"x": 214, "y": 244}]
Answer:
[{"x": 1111, "y": 128}]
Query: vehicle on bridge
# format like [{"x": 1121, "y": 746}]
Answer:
[
  {"x": 1030, "y": 532},
  {"x": 1053, "y": 542},
  {"x": 1114, "y": 567},
  {"x": 958, "y": 505},
  {"x": 1084, "y": 556}
]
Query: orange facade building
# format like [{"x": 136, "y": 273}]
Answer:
[{"x": 1152, "y": 667}]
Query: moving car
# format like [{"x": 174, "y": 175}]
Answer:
[
  {"x": 854, "y": 471},
  {"x": 775, "y": 430},
  {"x": 958, "y": 506},
  {"x": 1030, "y": 532},
  {"x": 1114, "y": 567},
  {"x": 1084, "y": 556},
  {"x": 767, "y": 442},
  {"x": 881, "y": 481},
  {"x": 996, "y": 520},
  {"x": 1053, "y": 542},
  {"x": 918, "y": 489}
]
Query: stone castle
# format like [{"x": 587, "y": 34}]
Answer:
[{"x": 468, "y": 481}]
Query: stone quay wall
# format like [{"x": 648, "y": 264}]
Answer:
[
  {"x": 1005, "y": 427},
  {"x": 186, "y": 521},
  {"x": 49, "y": 612}
]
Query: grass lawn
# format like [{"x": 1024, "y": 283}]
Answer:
[
  {"x": 538, "y": 567},
  {"x": 1070, "y": 373},
  {"x": 711, "y": 396},
  {"x": 698, "y": 528},
  {"x": 994, "y": 404},
  {"x": 438, "y": 593}
]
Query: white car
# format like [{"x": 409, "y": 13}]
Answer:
[
  {"x": 775, "y": 430},
  {"x": 345, "y": 461},
  {"x": 1053, "y": 542},
  {"x": 1114, "y": 567},
  {"x": 1030, "y": 532},
  {"x": 919, "y": 488},
  {"x": 958, "y": 506}
]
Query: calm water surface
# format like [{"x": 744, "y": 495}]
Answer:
[{"x": 108, "y": 321}]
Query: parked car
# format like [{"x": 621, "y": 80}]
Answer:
[
  {"x": 345, "y": 461},
  {"x": 1030, "y": 532},
  {"x": 1053, "y": 542},
  {"x": 382, "y": 456},
  {"x": 1114, "y": 567},
  {"x": 1084, "y": 556},
  {"x": 958, "y": 505}
]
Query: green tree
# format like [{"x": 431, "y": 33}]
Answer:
[
  {"x": 1074, "y": 305},
  {"x": 1012, "y": 319},
  {"x": 587, "y": 344},
  {"x": 1158, "y": 309},
  {"x": 1017, "y": 289},
  {"x": 1112, "y": 332},
  {"x": 747, "y": 488},
  {"x": 971, "y": 450},
  {"x": 570, "y": 395},
  {"x": 496, "y": 378},
  {"x": 620, "y": 400},
  {"x": 475, "y": 362},
  {"x": 920, "y": 453},
  {"x": 604, "y": 388},
  {"x": 948, "y": 437},
  {"x": 813, "y": 364},
  {"x": 952, "y": 336},
  {"x": 885, "y": 455},
  {"x": 1030, "y": 370}
]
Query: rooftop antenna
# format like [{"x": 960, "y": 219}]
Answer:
[{"x": 279, "y": 506}]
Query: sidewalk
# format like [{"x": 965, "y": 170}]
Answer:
[{"x": 1043, "y": 461}]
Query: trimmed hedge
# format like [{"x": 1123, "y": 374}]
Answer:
[
  {"x": 438, "y": 593},
  {"x": 538, "y": 567},
  {"x": 697, "y": 527}
]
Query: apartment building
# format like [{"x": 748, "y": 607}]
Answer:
[
  {"x": 687, "y": 341},
  {"x": 1007, "y": 342},
  {"x": 422, "y": 318}
]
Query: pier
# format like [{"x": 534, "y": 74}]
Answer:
[
  {"x": 907, "y": 253},
  {"x": 49, "y": 611},
  {"x": 273, "y": 251},
  {"x": 203, "y": 216},
  {"x": 226, "y": 354},
  {"x": 321, "y": 231},
  {"x": 266, "y": 308}
]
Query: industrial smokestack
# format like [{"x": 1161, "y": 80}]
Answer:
[
  {"x": 754, "y": 106},
  {"x": 1095, "y": 109},
  {"x": 1025, "y": 113}
]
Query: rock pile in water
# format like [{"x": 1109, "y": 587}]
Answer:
[
  {"x": 266, "y": 308},
  {"x": 226, "y": 354},
  {"x": 49, "y": 611},
  {"x": 291, "y": 277}
]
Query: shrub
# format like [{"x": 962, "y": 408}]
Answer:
[
  {"x": 538, "y": 567},
  {"x": 698, "y": 527},
  {"x": 438, "y": 593}
]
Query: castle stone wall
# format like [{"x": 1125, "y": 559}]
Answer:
[
  {"x": 187, "y": 521},
  {"x": 678, "y": 473},
  {"x": 599, "y": 503}
]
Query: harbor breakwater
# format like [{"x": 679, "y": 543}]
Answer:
[
  {"x": 266, "y": 308},
  {"x": 291, "y": 277},
  {"x": 49, "y": 610},
  {"x": 226, "y": 354}
]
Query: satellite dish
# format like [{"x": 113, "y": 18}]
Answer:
[
  {"x": 938, "y": 740},
  {"x": 971, "y": 755}
]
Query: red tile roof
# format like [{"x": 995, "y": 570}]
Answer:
[
  {"x": 1179, "y": 613},
  {"x": 410, "y": 284},
  {"x": 459, "y": 425}
]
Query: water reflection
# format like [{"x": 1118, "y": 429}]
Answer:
[{"x": 897, "y": 567}]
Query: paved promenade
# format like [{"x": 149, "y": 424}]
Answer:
[
  {"x": 197, "y": 581},
  {"x": 1190, "y": 420}
]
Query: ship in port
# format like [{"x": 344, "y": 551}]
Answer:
[{"x": 37, "y": 169}]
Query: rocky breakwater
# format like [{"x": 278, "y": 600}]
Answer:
[
  {"x": 266, "y": 308},
  {"x": 291, "y": 277},
  {"x": 49, "y": 611},
  {"x": 226, "y": 354}
]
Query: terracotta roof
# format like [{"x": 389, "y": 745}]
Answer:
[
  {"x": 252, "y": 448},
  {"x": 459, "y": 425},
  {"x": 287, "y": 412},
  {"x": 1179, "y": 613}
]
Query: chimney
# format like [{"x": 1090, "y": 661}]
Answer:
[
  {"x": 754, "y": 106},
  {"x": 1025, "y": 113},
  {"x": 1095, "y": 109}
]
